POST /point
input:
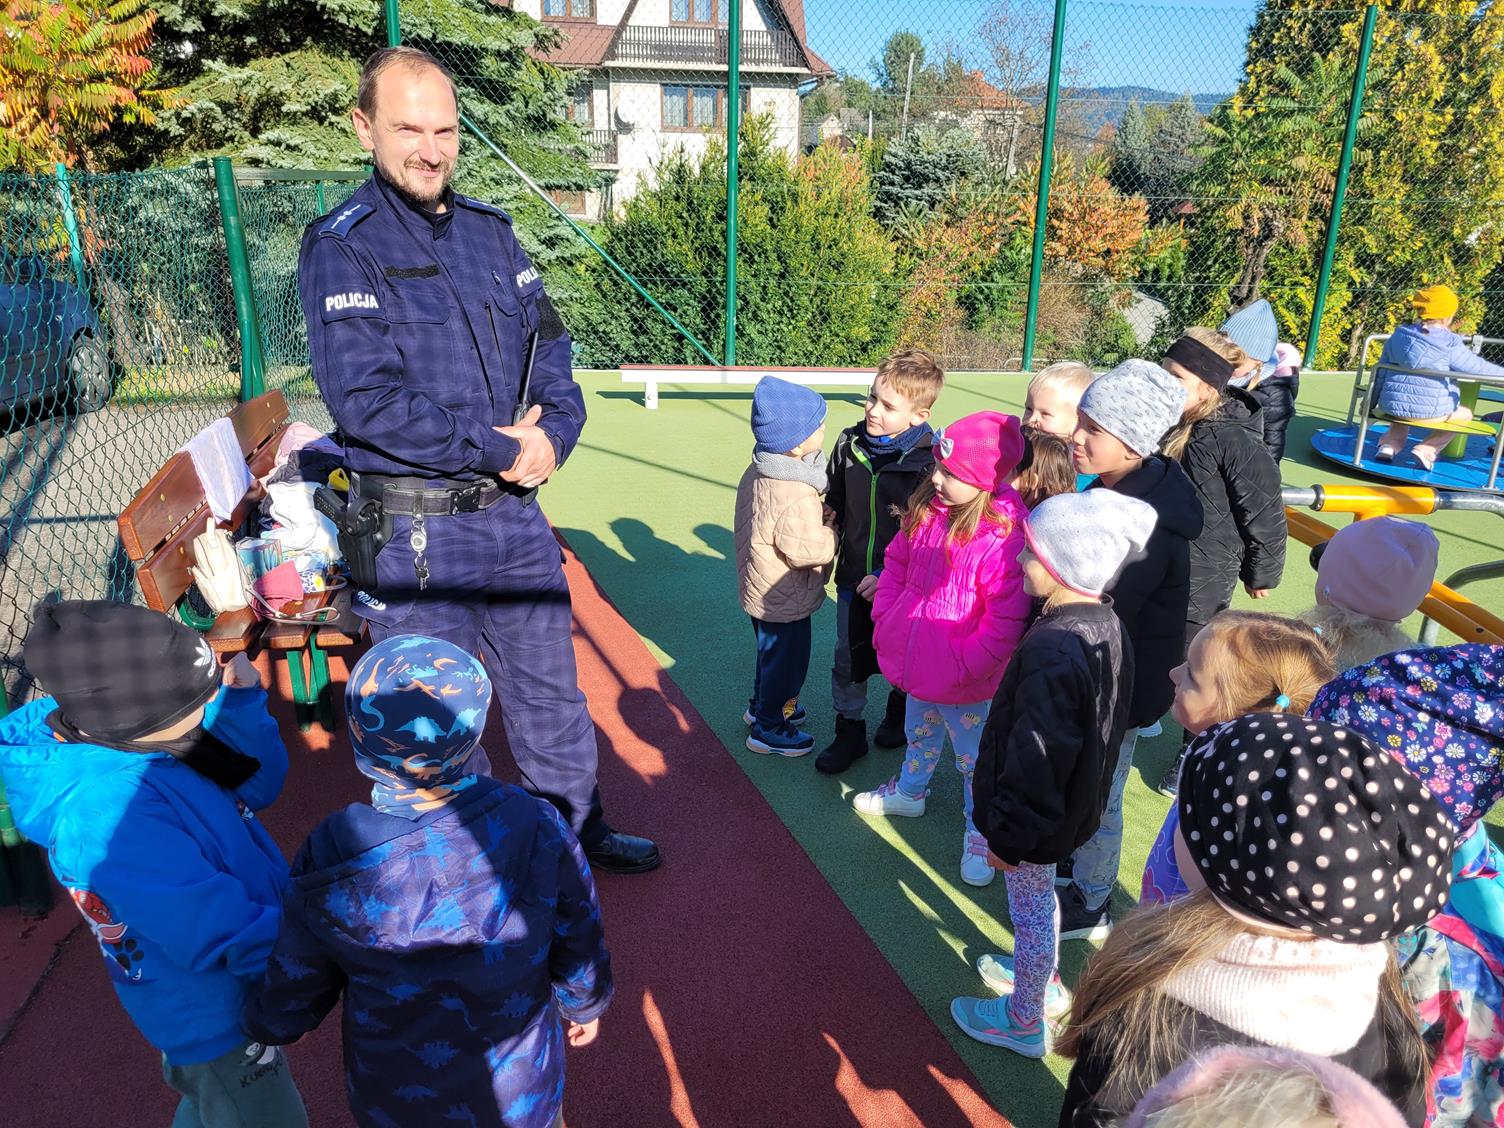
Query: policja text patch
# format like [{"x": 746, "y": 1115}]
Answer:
[{"x": 338, "y": 303}]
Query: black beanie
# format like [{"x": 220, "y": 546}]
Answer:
[{"x": 119, "y": 672}]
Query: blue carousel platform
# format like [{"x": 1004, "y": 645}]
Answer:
[{"x": 1469, "y": 472}]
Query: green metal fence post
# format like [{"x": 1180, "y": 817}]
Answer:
[
  {"x": 393, "y": 25},
  {"x": 733, "y": 185},
  {"x": 733, "y": 173},
  {"x": 70, "y": 224},
  {"x": 318, "y": 193},
  {"x": 1339, "y": 194},
  {"x": 1046, "y": 167},
  {"x": 252, "y": 365}
]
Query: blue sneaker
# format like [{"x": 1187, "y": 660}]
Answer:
[
  {"x": 785, "y": 740},
  {"x": 796, "y": 718},
  {"x": 992, "y": 1021},
  {"x": 997, "y": 973}
]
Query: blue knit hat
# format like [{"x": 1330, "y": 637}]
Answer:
[
  {"x": 784, "y": 414},
  {"x": 417, "y": 706},
  {"x": 1254, "y": 330}
]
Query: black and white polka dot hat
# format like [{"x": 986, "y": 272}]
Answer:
[{"x": 1312, "y": 827}]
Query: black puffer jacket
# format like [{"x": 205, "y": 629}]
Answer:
[
  {"x": 1051, "y": 741},
  {"x": 1276, "y": 396},
  {"x": 1150, "y": 594},
  {"x": 869, "y": 493},
  {"x": 1238, "y": 483}
]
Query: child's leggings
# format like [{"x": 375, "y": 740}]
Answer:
[
  {"x": 1036, "y": 930},
  {"x": 926, "y": 725}
]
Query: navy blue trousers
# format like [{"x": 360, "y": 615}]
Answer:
[
  {"x": 782, "y": 663},
  {"x": 496, "y": 588}
]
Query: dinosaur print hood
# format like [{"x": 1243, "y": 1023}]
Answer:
[
  {"x": 383, "y": 882},
  {"x": 417, "y": 706}
]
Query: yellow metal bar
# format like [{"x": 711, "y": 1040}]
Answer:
[
  {"x": 1376, "y": 501},
  {"x": 1453, "y": 610}
]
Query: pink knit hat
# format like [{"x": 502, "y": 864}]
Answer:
[
  {"x": 981, "y": 450},
  {"x": 1381, "y": 567},
  {"x": 1354, "y": 1102}
]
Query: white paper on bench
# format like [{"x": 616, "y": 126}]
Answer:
[{"x": 220, "y": 466}]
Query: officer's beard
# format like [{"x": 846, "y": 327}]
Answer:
[{"x": 421, "y": 193}]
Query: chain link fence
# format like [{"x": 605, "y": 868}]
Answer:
[
  {"x": 890, "y": 161},
  {"x": 118, "y": 343}
]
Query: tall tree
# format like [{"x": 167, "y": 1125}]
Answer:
[
  {"x": 1422, "y": 202},
  {"x": 70, "y": 71},
  {"x": 271, "y": 83}
]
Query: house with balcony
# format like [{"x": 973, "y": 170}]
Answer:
[{"x": 650, "y": 76}]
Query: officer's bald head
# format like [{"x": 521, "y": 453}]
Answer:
[{"x": 408, "y": 59}]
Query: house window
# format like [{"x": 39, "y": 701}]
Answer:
[
  {"x": 705, "y": 12},
  {"x": 569, "y": 9},
  {"x": 697, "y": 108},
  {"x": 571, "y": 200},
  {"x": 580, "y": 106}
]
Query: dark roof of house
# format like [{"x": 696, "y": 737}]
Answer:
[{"x": 589, "y": 45}]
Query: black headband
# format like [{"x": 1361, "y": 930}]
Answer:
[{"x": 1197, "y": 358}]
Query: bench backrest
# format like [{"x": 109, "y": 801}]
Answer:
[{"x": 158, "y": 526}]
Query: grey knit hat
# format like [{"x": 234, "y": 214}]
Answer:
[
  {"x": 1138, "y": 401},
  {"x": 1084, "y": 539}
]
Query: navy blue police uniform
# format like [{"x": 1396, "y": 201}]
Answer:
[{"x": 418, "y": 324}]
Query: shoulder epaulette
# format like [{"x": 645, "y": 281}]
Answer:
[
  {"x": 481, "y": 206},
  {"x": 341, "y": 222}
]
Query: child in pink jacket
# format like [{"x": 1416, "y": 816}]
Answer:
[{"x": 949, "y": 610}]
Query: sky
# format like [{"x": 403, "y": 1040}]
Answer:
[{"x": 1195, "y": 47}]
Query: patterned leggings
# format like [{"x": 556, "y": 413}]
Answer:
[
  {"x": 1036, "y": 932},
  {"x": 926, "y": 725}
]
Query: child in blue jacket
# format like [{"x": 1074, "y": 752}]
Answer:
[
  {"x": 455, "y": 914},
  {"x": 140, "y": 775}
]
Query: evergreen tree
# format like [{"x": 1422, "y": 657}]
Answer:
[
  {"x": 918, "y": 174},
  {"x": 1155, "y": 153}
]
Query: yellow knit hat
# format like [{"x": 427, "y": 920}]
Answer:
[{"x": 1435, "y": 302}]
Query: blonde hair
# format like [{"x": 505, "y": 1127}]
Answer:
[
  {"x": 1066, "y": 375},
  {"x": 1046, "y": 469},
  {"x": 1257, "y": 658},
  {"x": 964, "y": 520},
  {"x": 1121, "y": 1006},
  {"x": 1224, "y": 346},
  {"x": 1355, "y": 639},
  {"x": 1261, "y": 1094},
  {"x": 915, "y": 375}
]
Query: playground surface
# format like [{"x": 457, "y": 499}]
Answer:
[{"x": 793, "y": 962}]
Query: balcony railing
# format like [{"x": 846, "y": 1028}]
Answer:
[
  {"x": 602, "y": 145},
  {"x": 704, "y": 46}
]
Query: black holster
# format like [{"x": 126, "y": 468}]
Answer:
[{"x": 362, "y": 529}]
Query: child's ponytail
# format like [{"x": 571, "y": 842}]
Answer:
[{"x": 1266, "y": 663}]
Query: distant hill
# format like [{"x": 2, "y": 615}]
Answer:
[{"x": 1105, "y": 105}]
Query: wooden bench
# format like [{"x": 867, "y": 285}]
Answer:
[
  {"x": 740, "y": 375},
  {"x": 157, "y": 530}
]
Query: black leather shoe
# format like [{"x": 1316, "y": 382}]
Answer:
[
  {"x": 624, "y": 853},
  {"x": 890, "y": 734}
]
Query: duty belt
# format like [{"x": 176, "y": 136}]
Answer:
[
  {"x": 417, "y": 498},
  {"x": 413, "y": 497}
]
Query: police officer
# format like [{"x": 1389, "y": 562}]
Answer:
[{"x": 422, "y": 314}]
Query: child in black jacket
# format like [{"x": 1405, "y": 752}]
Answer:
[
  {"x": 1050, "y": 744},
  {"x": 875, "y": 468},
  {"x": 1122, "y": 418}
]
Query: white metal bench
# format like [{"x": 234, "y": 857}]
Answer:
[{"x": 741, "y": 375}]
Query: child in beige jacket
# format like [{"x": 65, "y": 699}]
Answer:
[{"x": 784, "y": 549}]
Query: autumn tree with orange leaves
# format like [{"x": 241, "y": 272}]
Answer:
[{"x": 70, "y": 70}]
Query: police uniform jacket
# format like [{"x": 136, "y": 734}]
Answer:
[{"x": 418, "y": 326}]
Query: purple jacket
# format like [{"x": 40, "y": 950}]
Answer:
[
  {"x": 948, "y": 617},
  {"x": 1425, "y": 397}
]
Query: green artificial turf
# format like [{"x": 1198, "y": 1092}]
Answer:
[{"x": 646, "y": 501}]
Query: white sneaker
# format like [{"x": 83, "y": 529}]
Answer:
[
  {"x": 997, "y": 972},
  {"x": 974, "y": 867},
  {"x": 888, "y": 800},
  {"x": 1151, "y": 731}
]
